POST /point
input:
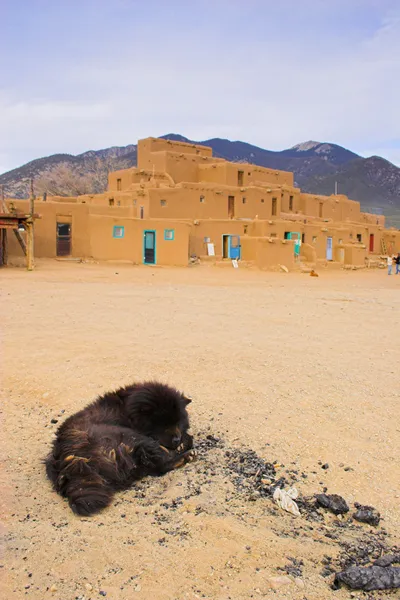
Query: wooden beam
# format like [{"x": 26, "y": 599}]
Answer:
[{"x": 20, "y": 240}]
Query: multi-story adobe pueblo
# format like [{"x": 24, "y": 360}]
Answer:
[{"x": 180, "y": 202}]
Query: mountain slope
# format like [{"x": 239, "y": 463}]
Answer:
[
  {"x": 66, "y": 174},
  {"x": 373, "y": 181}
]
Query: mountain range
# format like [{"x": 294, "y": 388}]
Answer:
[{"x": 317, "y": 168}]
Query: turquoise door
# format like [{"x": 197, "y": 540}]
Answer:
[
  {"x": 329, "y": 254},
  {"x": 234, "y": 247},
  {"x": 149, "y": 247},
  {"x": 294, "y": 235}
]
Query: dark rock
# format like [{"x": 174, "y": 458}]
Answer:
[
  {"x": 369, "y": 578},
  {"x": 389, "y": 559},
  {"x": 367, "y": 514},
  {"x": 332, "y": 502},
  {"x": 54, "y": 421},
  {"x": 325, "y": 466}
]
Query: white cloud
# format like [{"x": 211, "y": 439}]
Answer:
[
  {"x": 276, "y": 90},
  {"x": 47, "y": 111}
]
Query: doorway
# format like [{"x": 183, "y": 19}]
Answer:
[
  {"x": 329, "y": 254},
  {"x": 149, "y": 247},
  {"x": 231, "y": 247},
  {"x": 63, "y": 239},
  {"x": 371, "y": 242},
  {"x": 231, "y": 207},
  {"x": 296, "y": 237}
]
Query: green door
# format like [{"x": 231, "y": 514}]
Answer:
[{"x": 149, "y": 247}]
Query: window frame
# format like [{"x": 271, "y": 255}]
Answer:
[
  {"x": 169, "y": 239},
  {"x": 122, "y": 228}
]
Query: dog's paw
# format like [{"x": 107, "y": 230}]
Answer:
[{"x": 190, "y": 455}]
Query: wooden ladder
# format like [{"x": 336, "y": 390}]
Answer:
[{"x": 383, "y": 246}]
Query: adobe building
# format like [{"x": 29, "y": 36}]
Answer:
[{"x": 181, "y": 202}]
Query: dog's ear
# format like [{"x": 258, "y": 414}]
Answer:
[{"x": 186, "y": 400}]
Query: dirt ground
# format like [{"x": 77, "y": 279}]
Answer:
[{"x": 303, "y": 371}]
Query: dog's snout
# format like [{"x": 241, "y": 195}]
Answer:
[{"x": 176, "y": 440}]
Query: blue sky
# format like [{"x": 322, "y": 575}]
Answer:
[{"x": 88, "y": 74}]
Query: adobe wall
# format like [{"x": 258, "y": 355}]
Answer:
[
  {"x": 392, "y": 240},
  {"x": 45, "y": 228},
  {"x": 227, "y": 173},
  {"x": 147, "y": 146},
  {"x": 355, "y": 255},
  {"x": 124, "y": 176},
  {"x": 92, "y": 233},
  {"x": 130, "y": 247},
  {"x": 199, "y": 201},
  {"x": 268, "y": 254},
  {"x": 335, "y": 208},
  {"x": 213, "y": 230}
]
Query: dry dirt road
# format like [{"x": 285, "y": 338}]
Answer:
[{"x": 303, "y": 371}]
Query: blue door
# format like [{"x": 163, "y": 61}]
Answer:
[
  {"x": 149, "y": 247},
  {"x": 234, "y": 247},
  {"x": 329, "y": 254}
]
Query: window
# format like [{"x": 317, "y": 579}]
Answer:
[
  {"x": 163, "y": 202},
  {"x": 118, "y": 231},
  {"x": 273, "y": 235},
  {"x": 142, "y": 212},
  {"x": 118, "y": 203},
  {"x": 245, "y": 228},
  {"x": 134, "y": 202},
  {"x": 262, "y": 200},
  {"x": 340, "y": 241},
  {"x": 207, "y": 240},
  {"x": 303, "y": 238},
  {"x": 169, "y": 234},
  {"x": 119, "y": 185},
  {"x": 321, "y": 204},
  {"x": 359, "y": 237},
  {"x": 314, "y": 239},
  {"x": 111, "y": 201},
  {"x": 244, "y": 200},
  {"x": 274, "y": 202},
  {"x": 240, "y": 178},
  {"x": 202, "y": 199},
  {"x": 290, "y": 203}
]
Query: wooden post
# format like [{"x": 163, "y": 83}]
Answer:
[
  {"x": 30, "y": 233},
  {"x": 4, "y": 238},
  {"x": 32, "y": 200},
  {"x": 29, "y": 246},
  {"x": 3, "y": 204}
]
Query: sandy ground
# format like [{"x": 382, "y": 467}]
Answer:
[{"x": 304, "y": 371}]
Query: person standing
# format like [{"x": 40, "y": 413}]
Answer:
[
  {"x": 398, "y": 263},
  {"x": 389, "y": 264}
]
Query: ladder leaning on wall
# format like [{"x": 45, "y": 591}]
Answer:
[{"x": 383, "y": 246}]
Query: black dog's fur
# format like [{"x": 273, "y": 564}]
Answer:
[{"x": 123, "y": 436}]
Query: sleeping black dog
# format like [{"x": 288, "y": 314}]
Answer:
[{"x": 121, "y": 437}]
